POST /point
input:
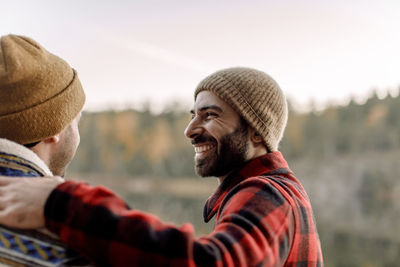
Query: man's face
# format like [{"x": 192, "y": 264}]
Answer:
[
  {"x": 65, "y": 149},
  {"x": 219, "y": 136}
]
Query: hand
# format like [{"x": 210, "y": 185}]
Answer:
[{"x": 22, "y": 200}]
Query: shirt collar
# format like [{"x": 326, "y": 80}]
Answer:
[
  {"x": 13, "y": 152},
  {"x": 269, "y": 164}
]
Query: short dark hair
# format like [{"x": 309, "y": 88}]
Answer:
[{"x": 30, "y": 145}]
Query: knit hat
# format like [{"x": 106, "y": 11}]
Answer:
[
  {"x": 255, "y": 96},
  {"x": 40, "y": 94}
]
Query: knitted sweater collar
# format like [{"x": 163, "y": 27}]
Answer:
[{"x": 18, "y": 154}]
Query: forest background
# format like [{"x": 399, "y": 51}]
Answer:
[{"x": 346, "y": 156}]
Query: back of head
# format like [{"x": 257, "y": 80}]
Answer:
[
  {"x": 255, "y": 96},
  {"x": 40, "y": 94}
]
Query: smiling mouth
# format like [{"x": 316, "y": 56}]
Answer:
[{"x": 203, "y": 148}]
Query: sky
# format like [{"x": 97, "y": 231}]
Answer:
[{"x": 155, "y": 52}]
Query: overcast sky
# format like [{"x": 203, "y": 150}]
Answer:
[{"x": 131, "y": 52}]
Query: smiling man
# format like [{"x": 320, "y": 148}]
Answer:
[
  {"x": 263, "y": 216},
  {"x": 220, "y": 137}
]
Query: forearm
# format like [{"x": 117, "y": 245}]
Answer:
[{"x": 98, "y": 224}]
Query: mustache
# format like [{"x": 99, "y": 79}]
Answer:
[{"x": 203, "y": 139}]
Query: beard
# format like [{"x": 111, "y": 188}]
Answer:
[{"x": 233, "y": 152}]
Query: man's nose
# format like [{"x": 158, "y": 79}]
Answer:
[{"x": 193, "y": 129}]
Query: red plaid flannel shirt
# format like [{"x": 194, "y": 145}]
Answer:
[{"x": 263, "y": 218}]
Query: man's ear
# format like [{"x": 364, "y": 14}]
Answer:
[
  {"x": 255, "y": 137},
  {"x": 52, "y": 139}
]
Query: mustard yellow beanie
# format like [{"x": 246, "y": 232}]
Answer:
[
  {"x": 40, "y": 94},
  {"x": 255, "y": 96}
]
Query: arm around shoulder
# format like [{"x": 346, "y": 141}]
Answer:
[{"x": 22, "y": 200}]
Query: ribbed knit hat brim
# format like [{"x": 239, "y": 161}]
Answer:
[
  {"x": 40, "y": 94},
  {"x": 255, "y": 96}
]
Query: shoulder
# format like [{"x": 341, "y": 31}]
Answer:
[
  {"x": 256, "y": 203},
  {"x": 258, "y": 195},
  {"x": 260, "y": 186}
]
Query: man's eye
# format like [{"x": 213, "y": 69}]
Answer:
[{"x": 210, "y": 115}]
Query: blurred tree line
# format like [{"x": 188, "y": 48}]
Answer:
[
  {"x": 339, "y": 130},
  {"x": 347, "y": 157},
  {"x": 141, "y": 143},
  {"x": 134, "y": 143}
]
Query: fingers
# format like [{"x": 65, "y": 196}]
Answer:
[
  {"x": 9, "y": 217},
  {"x": 57, "y": 178},
  {"x": 17, "y": 215},
  {"x": 22, "y": 200},
  {"x": 4, "y": 193},
  {"x": 7, "y": 184},
  {"x": 4, "y": 217},
  {"x": 5, "y": 180},
  {"x": 4, "y": 200}
]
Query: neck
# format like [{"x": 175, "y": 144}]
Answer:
[
  {"x": 222, "y": 178},
  {"x": 258, "y": 151},
  {"x": 255, "y": 153},
  {"x": 42, "y": 151}
]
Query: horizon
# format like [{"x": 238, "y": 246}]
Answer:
[{"x": 174, "y": 106}]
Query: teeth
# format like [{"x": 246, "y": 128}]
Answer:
[{"x": 199, "y": 149}]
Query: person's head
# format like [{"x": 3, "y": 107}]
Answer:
[
  {"x": 239, "y": 114},
  {"x": 41, "y": 99}
]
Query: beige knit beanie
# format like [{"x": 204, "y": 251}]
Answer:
[
  {"x": 255, "y": 96},
  {"x": 40, "y": 94}
]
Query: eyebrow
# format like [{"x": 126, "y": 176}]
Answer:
[{"x": 217, "y": 108}]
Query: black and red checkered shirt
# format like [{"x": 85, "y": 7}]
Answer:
[{"x": 263, "y": 218}]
